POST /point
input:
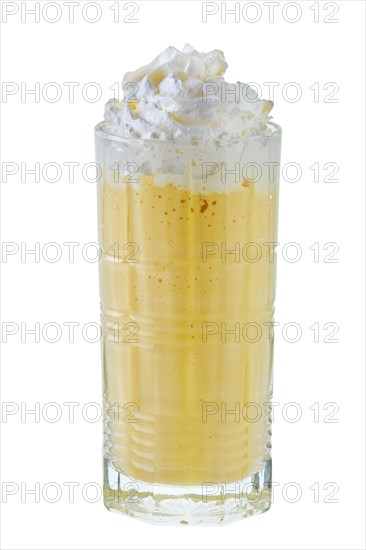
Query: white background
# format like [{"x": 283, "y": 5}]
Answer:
[{"x": 306, "y": 372}]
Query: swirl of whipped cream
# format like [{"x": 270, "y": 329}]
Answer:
[{"x": 183, "y": 96}]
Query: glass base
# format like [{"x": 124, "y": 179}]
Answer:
[{"x": 209, "y": 503}]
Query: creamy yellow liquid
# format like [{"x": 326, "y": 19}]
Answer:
[{"x": 164, "y": 381}]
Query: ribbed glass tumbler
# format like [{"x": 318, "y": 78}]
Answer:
[{"x": 187, "y": 286}]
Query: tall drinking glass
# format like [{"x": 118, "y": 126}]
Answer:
[{"x": 187, "y": 287}]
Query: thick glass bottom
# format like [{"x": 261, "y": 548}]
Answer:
[{"x": 209, "y": 503}]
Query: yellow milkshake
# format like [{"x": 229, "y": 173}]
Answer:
[
  {"x": 187, "y": 205},
  {"x": 170, "y": 361}
]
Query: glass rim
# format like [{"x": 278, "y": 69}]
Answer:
[{"x": 276, "y": 131}]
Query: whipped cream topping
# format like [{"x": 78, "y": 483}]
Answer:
[{"x": 183, "y": 95}]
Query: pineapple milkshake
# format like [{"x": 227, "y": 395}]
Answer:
[{"x": 187, "y": 225}]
